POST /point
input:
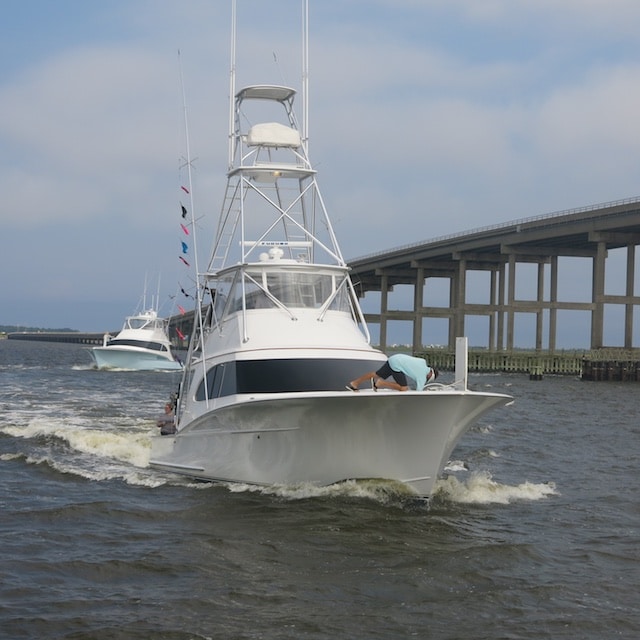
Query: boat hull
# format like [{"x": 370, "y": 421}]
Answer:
[
  {"x": 324, "y": 438},
  {"x": 133, "y": 359}
]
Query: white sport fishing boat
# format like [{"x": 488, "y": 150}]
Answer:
[
  {"x": 142, "y": 345},
  {"x": 263, "y": 398}
]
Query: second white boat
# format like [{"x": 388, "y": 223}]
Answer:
[{"x": 142, "y": 345}]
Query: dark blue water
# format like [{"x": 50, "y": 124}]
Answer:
[{"x": 534, "y": 534}]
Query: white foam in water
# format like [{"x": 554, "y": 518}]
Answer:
[
  {"x": 125, "y": 445},
  {"x": 379, "y": 490},
  {"x": 456, "y": 465},
  {"x": 484, "y": 429},
  {"x": 11, "y": 456},
  {"x": 130, "y": 447},
  {"x": 107, "y": 453},
  {"x": 480, "y": 488}
]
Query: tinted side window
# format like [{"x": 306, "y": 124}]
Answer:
[
  {"x": 282, "y": 376},
  {"x": 278, "y": 376},
  {"x": 227, "y": 379},
  {"x": 155, "y": 346},
  {"x": 221, "y": 381}
]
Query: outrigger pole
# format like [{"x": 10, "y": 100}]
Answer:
[{"x": 197, "y": 321}]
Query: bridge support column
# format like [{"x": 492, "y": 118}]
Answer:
[
  {"x": 460, "y": 300},
  {"x": 539, "y": 312},
  {"x": 453, "y": 296},
  {"x": 511, "y": 301},
  {"x": 384, "y": 301},
  {"x": 553, "y": 298},
  {"x": 501, "y": 293},
  {"x": 492, "y": 314},
  {"x": 417, "y": 310},
  {"x": 597, "y": 315},
  {"x": 628, "y": 311}
]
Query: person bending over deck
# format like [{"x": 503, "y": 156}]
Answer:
[{"x": 408, "y": 372}]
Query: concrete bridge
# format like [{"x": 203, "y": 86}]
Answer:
[{"x": 588, "y": 232}]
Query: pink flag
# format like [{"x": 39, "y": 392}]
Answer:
[
  {"x": 185, "y": 189},
  {"x": 184, "y": 228},
  {"x": 181, "y": 310},
  {"x": 180, "y": 334},
  {"x": 183, "y": 260}
]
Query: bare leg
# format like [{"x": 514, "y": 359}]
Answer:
[
  {"x": 377, "y": 381},
  {"x": 354, "y": 384}
]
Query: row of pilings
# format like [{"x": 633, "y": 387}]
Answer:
[{"x": 610, "y": 364}]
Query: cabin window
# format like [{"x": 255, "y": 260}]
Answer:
[
  {"x": 154, "y": 346},
  {"x": 223, "y": 289},
  {"x": 282, "y": 376},
  {"x": 255, "y": 297},
  {"x": 293, "y": 289},
  {"x": 300, "y": 289},
  {"x": 220, "y": 382}
]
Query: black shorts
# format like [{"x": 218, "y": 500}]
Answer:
[{"x": 385, "y": 371}]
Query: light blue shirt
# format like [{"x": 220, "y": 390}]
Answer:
[{"x": 414, "y": 368}]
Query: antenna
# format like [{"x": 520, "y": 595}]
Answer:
[
  {"x": 305, "y": 73},
  {"x": 232, "y": 84},
  {"x": 144, "y": 293}
]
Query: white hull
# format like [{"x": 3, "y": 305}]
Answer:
[
  {"x": 134, "y": 359},
  {"x": 325, "y": 437}
]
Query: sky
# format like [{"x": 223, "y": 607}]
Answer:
[{"x": 427, "y": 118}]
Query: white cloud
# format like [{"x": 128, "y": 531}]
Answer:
[
  {"x": 595, "y": 115},
  {"x": 427, "y": 118}
]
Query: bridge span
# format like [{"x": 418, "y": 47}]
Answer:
[{"x": 588, "y": 232}]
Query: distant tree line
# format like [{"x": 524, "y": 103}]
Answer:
[{"x": 12, "y": 328}]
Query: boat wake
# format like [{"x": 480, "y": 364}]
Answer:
[
  {"x": 481, "y": 488},
  {"x": 110, "y": 452},
  {"x": 121, "y": 450},
  {"x": 389, "y": 492}
]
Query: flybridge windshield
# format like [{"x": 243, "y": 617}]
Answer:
[
  {"x": 267, "y": 289},
  {"x": 144, "y": 323}
]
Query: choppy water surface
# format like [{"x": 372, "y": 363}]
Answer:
[{"x": 533, "y": 534}]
